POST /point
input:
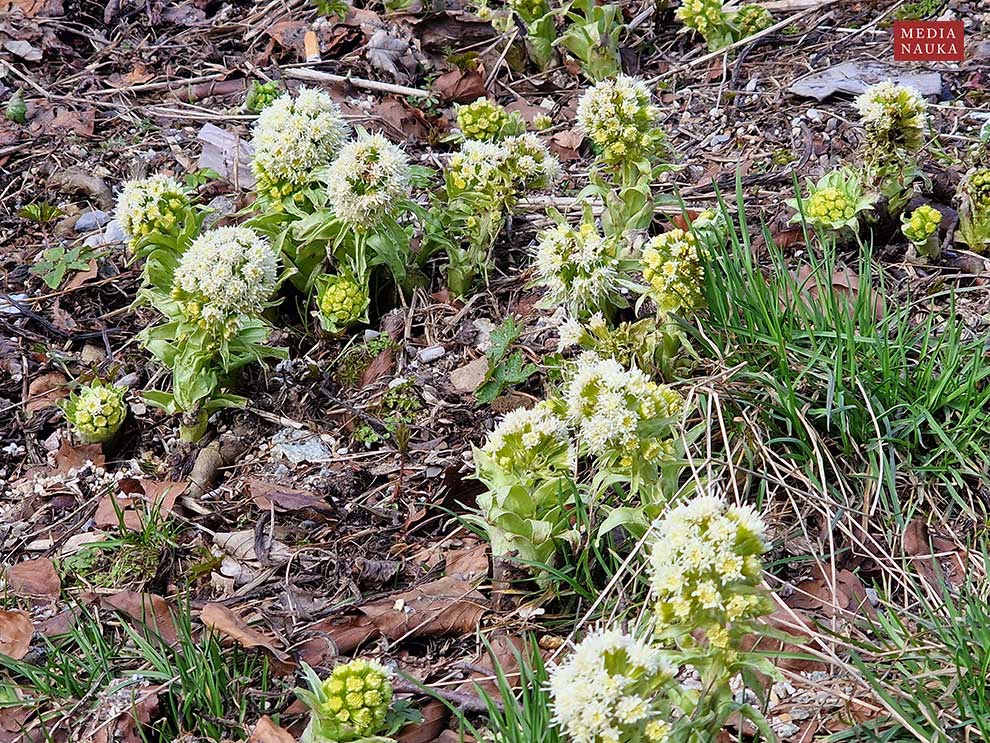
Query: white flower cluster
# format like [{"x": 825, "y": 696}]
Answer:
[
  {"x": 705, "y": 566},
  {"x": 580, "y": 269},
  {"x": 292, "y": 136},
  {"x": 619, "y": 116},
  {"x": 607, "y": 402},
  {"x": 149, "y": 205},
  {"x": 502, "y": 171},
  {"x": 895, "y": 116},
  {"x": 527, "y": 440},
  {"x": 368, "y": 178},
  {"x": 226, "y": 273},
  {"x": 612, "y": 690},
  {"x": 673, "y": 270}
]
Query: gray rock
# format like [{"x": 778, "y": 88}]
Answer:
[
  {"x": 853, "y": 78},
  {"x": 301, "y": 446},
  {"x": 219, "y": 208},
  {"x": 114, "y": 233},
  {"x": 91, "y": 220}
]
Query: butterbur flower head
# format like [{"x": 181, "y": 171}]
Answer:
[
  {"x": 922, "y": 224},
  {"x": 96, "y": 412},
  {"x": 350, "y": 704},
  {"x": 155, "y": 204},
  {"x": 613, "y": 689},
  {"x": 292, "y": 136},
  {"x": 976, "y": 187},
  {"x": 704, "y": 16},
  {"x": 974, "y": 210},
  {"x": 526, "y": 443},
  {"x": 530, "y": 10},
  {"x": 705, "y": 566},
  {"x": 619, "y": 117},
  {"x": 367, "y": 180},
  {"x": 895, "y": 118},
  {"x": 673, "y": 270},
  {"x": 477, "y": 168},
  {"x": 606, "y": 403},
  {"x": 484, "y": 120},
  {"x": 261, "y": 95},
  {"x": 835, "y": 202},
  {"x": 341, "y": 301},
  {"x": 751, "y": 19},
  {"x": 227, "y": 273},
  {"x": 580, "y": 269},
  {"x": 529, "y": 164}
]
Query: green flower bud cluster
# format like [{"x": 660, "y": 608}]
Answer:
[
  {"x": 341, "y": 301},
  {"x": 486, "y": 121},
  {"x": 619, "y": 117},
  {"x": 673, "y": 270},
  {"x": 260, "y": 95},
  {"x": 542, "y": 122},
  {"x": 834, "y": 203},
  {"x": 530, "y": 10},
  {"x": 155, "y": 204},
  {"x": 96, "y": 412},
  {"x": 705, "y": 568},
  {"x": 349, "y": 705},
  {"x": 751, "y": 19},
  {"x": 922, "y": 224},
  {"x": 974, "y": 210},
  {"x": 895, "y": 118},
  {"x": 704, "y": 16}
]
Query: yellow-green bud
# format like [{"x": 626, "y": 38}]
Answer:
[
  {"x": 350, "y": 704},
  {"x": 751, "y": 19},
  {"x": 96, "y": 412},
  {"x": 341, "y": 301},
  {"x": 482, "y": 120}
]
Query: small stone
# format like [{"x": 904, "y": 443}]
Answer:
[
  {"x": 220, "y": 207},
  {"x": 431, "y": 354},
  {"x": 91, "y": 220},
  {"x": 370, "y": 335},
  {"x": 814, "y": 115},
  {"x": 91, "y": 354},
  {"x": 300, "y": 446},
  {"x": 114, "y": 233}
]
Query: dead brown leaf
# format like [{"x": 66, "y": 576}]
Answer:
[
  {"x": 448, "y": 606},
  {"x": 39, "y": 8},
  {"x": 435, "y": 716},
  {"x": 936, "y": 557},
  {"x": 35, "y": 579},
  {"x": 147, "y": 609},
  {"x": 16, "y": 631},
  {"x": 225, "y": 621},
  {"x": 45, "y": 391},
  {"x": 469, "y": 564},
  {"x": 505, "y": 652},
  {"x": 381, "y": 365},
  {"x": 346, "y": 632},
  {"x": 266, "y": 494},
  {"x": 460, "y": 86},
  {"x": 842, "y": 594},
  {"x": 70, "y": 457},
  {"x": 401, "y": 120},
  {"x": 566, "y": 144},
  {"x": 290, "y": 34},
  {"x": 267, "y": 731},
  {"x": 81, "y": 277},
  {"x": 142, "y": 499}
]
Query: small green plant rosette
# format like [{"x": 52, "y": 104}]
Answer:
[
  {"x": 974, "y": 210},
  {"x": 484, "y": 120},
  {"x": 530, "y": 10},
  {"x": 341, "y": 302},
  {"x": 750, "y": 19},
  {"x": 260, "y": 95},
  {"x": 708, "y": 19},
  {"x": 921, "y": 230},
  {"x": 351, "y": 704},
  {"x": 96, "y": 412},
  {"x": 834, "y": 203}
]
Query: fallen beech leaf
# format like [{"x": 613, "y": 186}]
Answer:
[
  {"x": 70, "y": 457},
  {"x": 81, "y": 277},
  {"x": 458, "y": 86},
  {"x": 45, "y": 391},
  {"x": 147, "y": 609},
  {"x": 374, "y": 573},
  {"x": 13, "y": 721},
  {"x": 442, "y": 607},
  {"x": 267, "y": 731},
  {"x": 844, "y": 593},
  {"x": 935, "y": 557},
  {"x": 347, "y": 632},
  {"x": 223, "y": 620},
  {"x": 15, "y": 633},
  {"x": 505, "y": 651},
  {"x": 469, "y": 564},
  {"x": 34, "y": 579},
  {"x": 143, "y": 498},
  {"x": 435, "y": 715},
  {"x": 290, "y": 34},
  {"x": 381, "y": 365},
  {"x": 265, "y": 494}
]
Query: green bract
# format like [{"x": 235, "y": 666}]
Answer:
[
  {"x": 487, "y": 121},
  {"x": 158, "y": 204},
  {"x": 673, "y": 271},
  {"x": 751, "y": 19},
  {"x": 261, "y": 95},
  {"x": 974, "y": 210},
  {"x": 341, "y": 300},
  {"x": 835, "y": 202},
  {"x": 351, "y": 704},
  {"x": 921, "y": 229},
  {"x": 707, "y": 18},
  {"x": 96, "y": 412}
]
